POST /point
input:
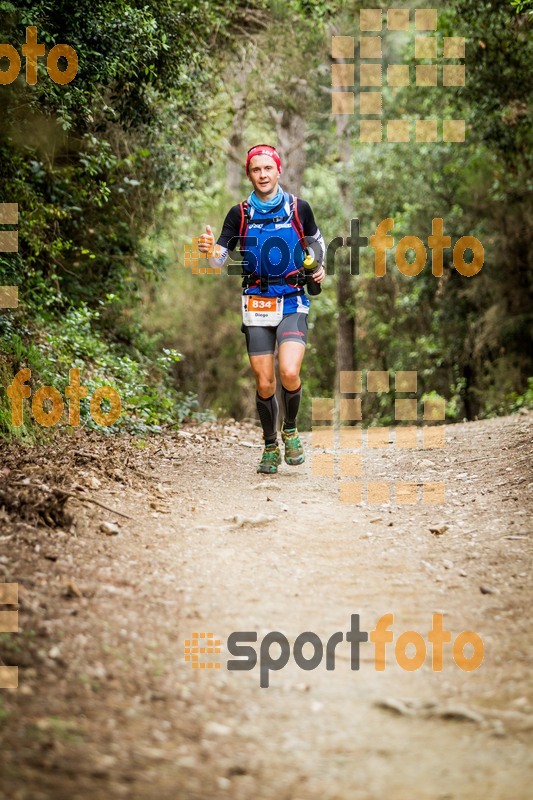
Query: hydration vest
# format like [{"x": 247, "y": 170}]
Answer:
[{"x": 272, "y": 246}]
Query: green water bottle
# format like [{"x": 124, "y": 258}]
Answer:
[{"x": 311, "y": 266}]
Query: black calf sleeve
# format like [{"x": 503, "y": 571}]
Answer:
[
  {"x": 291, "y": 401},
  {"x": 268, "y": 414}
]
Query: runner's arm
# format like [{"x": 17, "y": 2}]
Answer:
[{"x": 313, "y": 237}]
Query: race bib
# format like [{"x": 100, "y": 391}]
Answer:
[{"x": 265, "y": 311}]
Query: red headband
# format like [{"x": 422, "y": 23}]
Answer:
[{"x": 263, "y": 150}]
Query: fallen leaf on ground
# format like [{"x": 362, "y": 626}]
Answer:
[
  {"x": 241, "y": 522},
  {"x": 438, "y": 530},
  {"x": 71, "y": 590},
  {"x": 109, "y": 528}
]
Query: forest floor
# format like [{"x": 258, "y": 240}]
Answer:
[{"x": 107, "y": 706}]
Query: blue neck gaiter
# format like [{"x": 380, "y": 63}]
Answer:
[{"x": 266, "y": 205}]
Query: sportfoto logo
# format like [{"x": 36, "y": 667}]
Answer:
[
  {"x": 247, "y": 658},
  {"x": 410, "y": 252}
]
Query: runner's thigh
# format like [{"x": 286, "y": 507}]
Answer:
[
  {"x": 260, "y": 341},
  {"x": 292, "y": 328}
]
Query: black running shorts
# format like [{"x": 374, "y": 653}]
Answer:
[{"x": 261, "y": 340}]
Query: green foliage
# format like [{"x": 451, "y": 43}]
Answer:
[
  {"x": 524, "y": 400},
  {"x": 521, "y": 6},
  {"x": 141, "y": 374},
  {"x": 451, "y": 329},
  {"x": 91, "y": 164}
]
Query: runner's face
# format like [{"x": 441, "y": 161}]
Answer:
[{"x": 263, "y": 174}]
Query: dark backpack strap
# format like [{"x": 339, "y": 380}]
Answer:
[
  {"x": 296, "y": 219},
  {"x": 244, "y": 220},
  {"x": 249, "y": 279}
]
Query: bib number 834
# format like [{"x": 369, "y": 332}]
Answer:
[{"x": 265, "y": 305}]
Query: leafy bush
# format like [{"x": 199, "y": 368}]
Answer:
[{"x": 142, "y": 377}]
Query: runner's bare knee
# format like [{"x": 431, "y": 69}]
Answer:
[
  {"x": 290, "y": 376},
  {"x": 265, "y": 386}
]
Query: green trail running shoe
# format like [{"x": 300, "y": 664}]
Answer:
[
  {"x": 271, "y": 459},
  {"x": 294, "y": 452}
]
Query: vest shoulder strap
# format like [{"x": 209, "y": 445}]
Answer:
[
  {"x": 244, "y": 209},
  {"x": 298, "y": 227},
  {"x": 245, "y": 217}
]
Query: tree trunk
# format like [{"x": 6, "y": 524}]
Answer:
[
  {"x": 235, "y": 159},
  {"x": 236, "y": 151},
  {"x": 291, "y": 130},
  {"x": 346, "y": 326}
]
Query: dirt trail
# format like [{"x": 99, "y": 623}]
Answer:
[{"x": 107, "y": 706}]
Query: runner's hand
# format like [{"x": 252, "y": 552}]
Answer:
[
  {"x": 319, "y": 275},
  {"x": 206, "y": 241}
]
